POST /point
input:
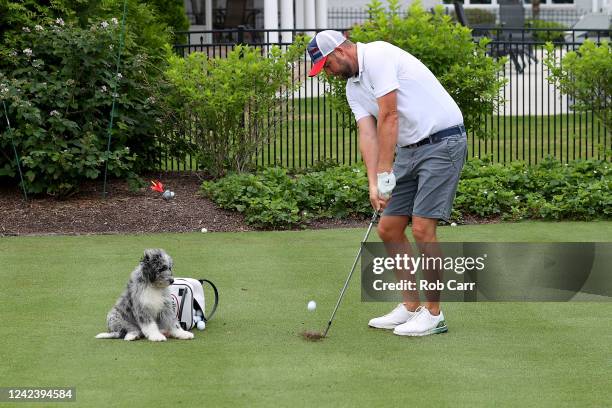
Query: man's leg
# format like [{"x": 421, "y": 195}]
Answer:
[
  {"x": 424, "y": 233},
  {"x": 428, "y": 319},
  {"x": 392, "y": 231}
]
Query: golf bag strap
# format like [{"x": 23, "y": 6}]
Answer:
[
  {"x": 181, "y": 293},
  {"x": 214, "y": 308}
]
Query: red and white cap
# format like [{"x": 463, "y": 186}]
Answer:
[{"x": 321, "y": 45}]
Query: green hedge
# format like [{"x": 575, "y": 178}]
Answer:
[{"x": 272, "y": 198}]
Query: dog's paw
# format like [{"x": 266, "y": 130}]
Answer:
[
  {"x": 130, "y": 336},
  {"x": 184, "y": 335},
  {"x": 157, "y": 337}
]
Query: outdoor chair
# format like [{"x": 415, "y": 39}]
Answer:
[
  {"x": 478, "y": 30},
  {"x": 592, "y": 21},
  {"x": 514, "y": 40}
]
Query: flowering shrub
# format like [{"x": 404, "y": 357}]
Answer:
[{"x": 59, "y": 104}]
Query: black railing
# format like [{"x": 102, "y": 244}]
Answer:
[
  {"x": 347, "y": 17},
  {"x": 533, "y": 121}
]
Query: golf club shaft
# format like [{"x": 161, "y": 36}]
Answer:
[{"x": 331, "y": 319}]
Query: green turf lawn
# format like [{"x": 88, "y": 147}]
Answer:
[{"x": 56, "y": 292}]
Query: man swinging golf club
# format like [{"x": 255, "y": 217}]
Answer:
[{"x": 401, "y": 110}]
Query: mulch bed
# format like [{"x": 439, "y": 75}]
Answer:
[{"x": 125, "y": 211}]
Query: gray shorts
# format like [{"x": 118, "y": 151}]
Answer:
[{"x": 427, "y": 178}]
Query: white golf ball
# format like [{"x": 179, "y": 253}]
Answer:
[
  {"x": 197, "y": 318},
  {"x": 204, "y": 230},
  {"x": 312, "y": 305},
  {"x": 453, "y": 224},
  {"x": 201, "y": 325}
]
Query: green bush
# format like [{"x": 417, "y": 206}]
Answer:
[
  {"x": 480, "y": 16},
  {"x": 477, "y": 16},
  {"x": 555, "y": 36},
  {"x": 272, "y": 198},
  {"x": 59, "y": 104},
  {"x": 172, "y": 13},
  {"x": 550, "y": 190},
  {"x": 446, "y": 48},
  {"x": 232, "y": 104},
  {"x": 586, "y": 76}
]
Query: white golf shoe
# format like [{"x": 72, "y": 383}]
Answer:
[
  {"x": 391, "y": 320},
  {"x": 422, "y": 324}
]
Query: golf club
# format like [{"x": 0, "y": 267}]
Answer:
[{"x": 331, "y": 319}]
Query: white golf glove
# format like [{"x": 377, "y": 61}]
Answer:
[{"x": 386, "y": 184}]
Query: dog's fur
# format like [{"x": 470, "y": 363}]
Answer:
[{"x": 145, "y": 307}]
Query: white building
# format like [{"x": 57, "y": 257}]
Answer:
[{"x": 318, "y": 14}]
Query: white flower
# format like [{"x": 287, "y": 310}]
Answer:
[
  {"x": 150, "y": 100},
  {"x": 104, "y": 24},
  {"x": 28, "y": 52},
  {"x": 485, "y": 192},
  {"x": 355, "y": 170},
  {"x": 516, "y": 197},
  {"x": 119, "y": 76},
  {"x": 103, "y": 89},
  {"x": 345, "y": 187},
  {"x": 38, "y": 27},
  {"x": 54, "y": 113},
  {"x": 70, "y": 82},
  {"x": 127, "y": 149},
  {"x": 114, "y": 21},
  {"x": 59, "y": 21},
  {"x": 26, "y": 29},
  {"x": 37, "y": 63},
  {"x": 110, "y": 47},
  {"x": 115, "y": 95},
  {"x": 3, "y": 89}
]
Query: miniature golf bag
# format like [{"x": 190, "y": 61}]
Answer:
[{"x": 188, "y": 298}]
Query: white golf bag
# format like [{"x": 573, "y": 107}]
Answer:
[{"x": 189, "y": 301}]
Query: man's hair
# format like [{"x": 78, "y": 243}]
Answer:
[{"x": 346, "y": 44}]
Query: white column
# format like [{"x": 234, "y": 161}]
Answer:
[
  {"x": 321, "y": 14},
  {"x": 309, "y": 15},
  {"x": 208, "y": 13},
  {"x": 299, "y": 14},
  {"x": 594, "y": 7},
  {"x": 287, "y": 20},
  {"x": 271, "y": 19}
]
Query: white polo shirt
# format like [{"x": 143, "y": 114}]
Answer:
[{"x": 424, "y": 107}]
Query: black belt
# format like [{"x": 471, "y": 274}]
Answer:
[{"x": 437, "y": 137}]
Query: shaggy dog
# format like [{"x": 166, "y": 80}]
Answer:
[{"x": 145, "y": 308}]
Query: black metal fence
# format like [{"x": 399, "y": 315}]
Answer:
[
  {"x": 534, "y": 120},
  {"x": 347, "y": 17}
]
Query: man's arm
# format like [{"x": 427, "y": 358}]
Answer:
[
  {"x": 387, "y": 131},
  {"x": 368, "y": 144}
]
